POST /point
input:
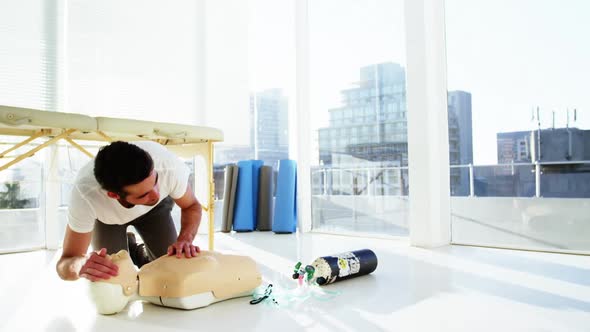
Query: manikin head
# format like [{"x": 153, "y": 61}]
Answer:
[
  {"x": 110, "y": 296},
  {"x": 127, "y": 173}
]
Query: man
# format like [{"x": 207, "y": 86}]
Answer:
[{"x": 128, "y": 184}]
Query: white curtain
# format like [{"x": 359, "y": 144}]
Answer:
[{"x": 135, "y": 59}]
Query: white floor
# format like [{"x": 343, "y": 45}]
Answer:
[{"x": 453, "y": 288}]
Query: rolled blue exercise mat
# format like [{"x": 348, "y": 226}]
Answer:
[
  {"x": 285, "y": 209},
  {"x": 265, "y": 198},
  {"x": 246, "y": 196},
  {"x": 229, "y": 197}
]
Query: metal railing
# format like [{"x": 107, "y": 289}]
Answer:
[{"x": 363, "y": 180}]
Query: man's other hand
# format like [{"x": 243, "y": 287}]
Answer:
[
  {"x": 185, "y": 247},
  {"x": 98, "y": 266}
]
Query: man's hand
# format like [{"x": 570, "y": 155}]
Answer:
[
  {"x": 181, "y": 246},
  {"x": 190, "y": 219},
  {"x": 98, "y": 267}
]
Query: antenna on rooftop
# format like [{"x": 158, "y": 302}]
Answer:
[{"x": 538, "y": 134}]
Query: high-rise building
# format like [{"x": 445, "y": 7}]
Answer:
[
  {"x": 371, "y": 124},
  {"x": 460, "y": 140},
  {"x": 460, "y": 108},
  {"x": 269, "y": 126},
  {"x": 269, "y": 135},
  {"x": 548, "y": 147},
  {"x": 514, "y": 147},
  {"x": 545, "y": 145},
  {"x": 370, "y": 130}
]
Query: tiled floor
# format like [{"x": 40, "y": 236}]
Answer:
[{"x": 447, "y": 289}]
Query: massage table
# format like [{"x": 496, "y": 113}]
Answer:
[{"x": 31, "y": 124}]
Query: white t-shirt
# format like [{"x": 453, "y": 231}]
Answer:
[{"x": 90, "y": 202}]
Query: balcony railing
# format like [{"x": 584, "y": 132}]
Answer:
[
  {"x": 564, "y": 179},
  {"x": 360, "y": 181},
  {"x": 534, "y": 206}
]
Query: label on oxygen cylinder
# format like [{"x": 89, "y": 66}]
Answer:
[{"x": 348, "y": 263}]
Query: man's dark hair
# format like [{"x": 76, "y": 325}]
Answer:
[{"x": 121, "y": 164}]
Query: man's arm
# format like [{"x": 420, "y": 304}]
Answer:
[
  {"x": 74, "y": 264},
  {"x": 190, "y": 219}
]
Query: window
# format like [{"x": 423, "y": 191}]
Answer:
[
  {"x": 375, "y": 31},
  {"x": 28, "y": 60},
  {"x": 251, "y": 80},
  {"x": 515, "y": 95}
]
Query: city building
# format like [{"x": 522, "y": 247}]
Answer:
[
  {"x": 269, "y": 126},
  {"x": 269, "y": 135},
  {"x": 369, "y": 131},
  {"x": 560, "y": 152},
  {"x": 460, "y": 140}
]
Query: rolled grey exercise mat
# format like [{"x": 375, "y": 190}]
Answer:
[
  {"x": 229, "y": 197},
  {"x": 265, "y": 199}
]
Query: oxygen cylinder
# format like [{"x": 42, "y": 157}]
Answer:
[{"x": 328, "y": 269}]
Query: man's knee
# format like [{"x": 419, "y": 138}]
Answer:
[{"x": 110, "y": 237}]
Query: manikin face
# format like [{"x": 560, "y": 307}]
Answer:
[
  {"x": 146, "y": 192},
  {"x": 112, "y": 295}
]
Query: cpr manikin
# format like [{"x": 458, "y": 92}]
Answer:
[{"x": 185, "y": 283}]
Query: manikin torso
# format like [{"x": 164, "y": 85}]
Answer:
[{"x": 186, "y": 283}]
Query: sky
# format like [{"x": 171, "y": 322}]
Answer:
[
  {"x": 344, "y": 35},
  {"x": 512, "y": 56}
]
